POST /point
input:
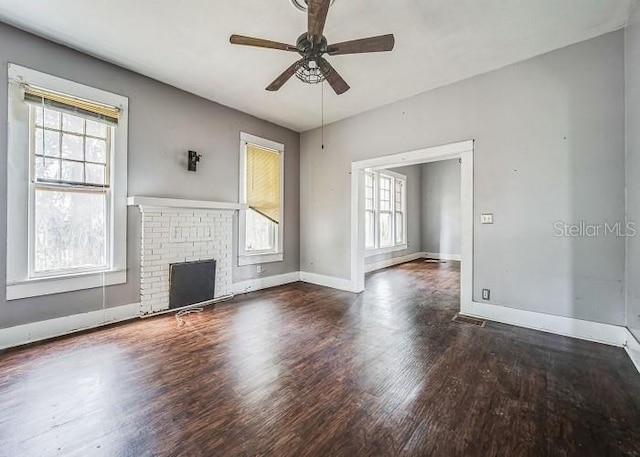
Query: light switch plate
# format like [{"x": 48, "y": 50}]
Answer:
[{"x": 487, "y": 218}]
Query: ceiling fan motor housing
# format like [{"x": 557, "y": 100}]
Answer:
[{"x": 308, "y": 48}]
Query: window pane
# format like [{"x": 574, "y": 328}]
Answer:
[
  {"x": 369, "y": 180},
  {"x": 95, "y": 174},
  {"x": 96, "y": 150},
  {"x": 48, "y": 118},
  {"x": 70, "y": 230},
  {"x": 72, "y": 147},
  {"x": 385, "y": 200},
  {"x": 369, "y": 221},
  {"x": 260, "y": 232},
  {"x": 399, "y": 228},
  {"x": 369, "y": 204},
  {"x": 47, "y": 143},
  {"x": 96, "y": 129},
  {"x": 385, "y": 193},
  {"x": 369, "y": 192},
  {"x": 399, "y": 193},
  {"x": 47, "y": 168},
  {"x": 72, "y": 123},
  {"x": 72, "y": 171},
  {"x": 386, "y": 230}
]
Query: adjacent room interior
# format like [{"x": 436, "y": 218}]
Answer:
[{"x": 320, "y": 227}]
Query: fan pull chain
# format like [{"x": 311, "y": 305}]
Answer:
[{"x": 322, "y": 112}]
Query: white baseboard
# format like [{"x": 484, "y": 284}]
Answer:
[
  {"x": 252, "y": 285},
  {"x": 613, "y": 335},
  {"x": 368, "y": 268},
  {"x": 435, "y": 255},
  {"x": 37, "y": 331},
  {"x": 632, "y": 346},
  {"x": 327, "y": 281}
]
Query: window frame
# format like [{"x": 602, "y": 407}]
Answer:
[
  {"x": 21, "y": 280},
  {"x": 246, "y": 257},
  {"x": 395, "y": 246}
]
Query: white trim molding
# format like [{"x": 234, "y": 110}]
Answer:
[
  {"x": 328, "y": 281},
  {"x": 386, "y": 263},
  {"x": 57, "y": 285},
  {"x": 156, "y": 202},
  {"x": 632, "y": 346},
  {"x": 254, "y": 259},
  {"x": 435, "y": 255},
  {"x": 613, "y": 335},
  {"x": 380, "y": 251},
  {"x": 51, "y": 328},
  {"x": 252, "y": 285}
]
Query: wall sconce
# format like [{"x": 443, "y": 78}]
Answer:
[{"x": 192, "y": 163}]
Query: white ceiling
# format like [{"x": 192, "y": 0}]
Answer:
[{"x": 186, "y": 44}]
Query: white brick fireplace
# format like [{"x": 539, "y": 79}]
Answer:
[{"x": 175, "y": 231}]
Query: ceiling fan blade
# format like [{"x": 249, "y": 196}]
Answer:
[
  {"x": 260, "y": 43},
  {"x": 283, "y": 78},
  {"x": 338, "y": 84},
  {"x": 317, "y": 17},
  {"x": 380, "y": 43}
]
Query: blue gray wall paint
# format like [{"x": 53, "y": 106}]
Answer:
[
  {"x": 441, "y": 207},
  {"x": 549, "y": 146},
  {"x": 164, "y": 123}
]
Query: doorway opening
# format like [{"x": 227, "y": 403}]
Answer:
[{"x": 361, "y": 175}]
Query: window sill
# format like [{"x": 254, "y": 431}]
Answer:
[
  {"x": 60, "y": 284},
  {"x": 255, "y": 259},
  {"x": 374, "y": 252}
]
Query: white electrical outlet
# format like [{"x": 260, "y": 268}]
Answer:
[
  {"x": 259, "y": 269},
  {"x": 487, "y": 218}
]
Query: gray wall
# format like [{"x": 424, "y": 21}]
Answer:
[
  {"x": 441, "y": 207},
  {"x": 549, "y": 146},
  {"x": 164, "y": 123},
  {"x": 414, "y": 218},
  {"x": 633, "y": 170}
]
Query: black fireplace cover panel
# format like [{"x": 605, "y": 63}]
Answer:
[{"x": 191, "y": 283}]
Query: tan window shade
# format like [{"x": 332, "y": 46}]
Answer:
[
  {"x": 73, "y": 105},
  {"x": 263, "y": 181}
]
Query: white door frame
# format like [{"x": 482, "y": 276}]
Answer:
[{"x": 462, "y": 150}]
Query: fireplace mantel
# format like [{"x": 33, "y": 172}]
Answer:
[{"x": 158, "y": 202}]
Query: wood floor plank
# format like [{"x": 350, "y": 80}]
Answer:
[{"x": 302, "y": 370}]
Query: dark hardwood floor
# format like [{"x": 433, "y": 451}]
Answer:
[{"x": 302, "y": 370}]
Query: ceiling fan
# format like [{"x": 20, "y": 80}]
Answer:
[{"x": 313, "y": 67}]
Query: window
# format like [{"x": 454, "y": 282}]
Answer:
[
  {"x": 70, "y": 188},
  {"x": 261, "y": 189},
  {"x": 67, "y": 146},
  {"x": 385, "y": 207}
]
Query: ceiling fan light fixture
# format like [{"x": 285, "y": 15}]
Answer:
[
  {"x": 308, "y": 71},
  {"x": 301, "y": 5}
]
